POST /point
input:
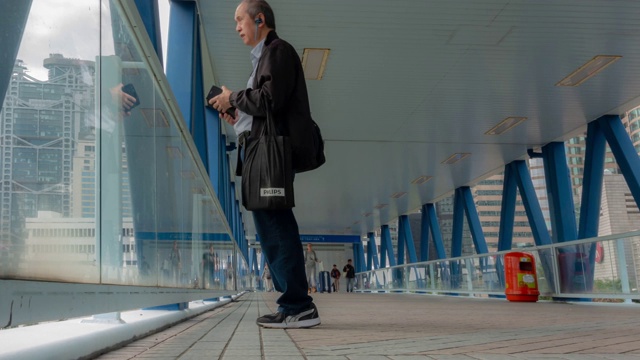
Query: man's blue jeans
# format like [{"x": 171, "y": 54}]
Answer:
[{"x": 281, "y": 245}]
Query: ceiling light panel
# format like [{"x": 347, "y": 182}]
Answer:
[
  {"x": 588, "y": 70},
  {"x": 455, "y": 158},
  {"x": 314, "y": 62},
  {"x": 398, "y": 195},
  {"x": 421, "y": 180},
  {"x": 506, "y": 125}
]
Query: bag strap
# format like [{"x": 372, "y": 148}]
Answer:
[{"x": 269, "y": 128}]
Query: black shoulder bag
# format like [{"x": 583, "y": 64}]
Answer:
[{"x": 267, "y": 172}]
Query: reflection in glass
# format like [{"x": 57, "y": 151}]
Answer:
[{"x": 97, "y": 191}]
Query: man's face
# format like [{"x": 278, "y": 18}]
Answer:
[{"x": 245, "y": 26}]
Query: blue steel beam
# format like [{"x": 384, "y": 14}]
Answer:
[
  {"x": 148, "y": 10},
  {"x": 436, "y": 233},
  {"x": 401, "y": 244},
  {"x": 592, "y": 182},
  {"x": 531, "y": 204},
  {"x": 181, "y": 55},
  {"x": 13, "y": 19},
  {"x": 358, "y": 256},
  {"x": 386, "y": 248},
  {"x": 477, "y": 235},
  {"x": 592, "y": 192},
  {"x": 214, "y": 156},
  {"x": 458, "y": 224},
  {"x": 372, "y": 249},
  {"x": 407, "y": 235},
  {"x": 507, "y": 208},
  {"x": 624, "y": 152},
  {"x": 560, "y": 194},
  {"x": 198, "y": 123},
  {"x": 424, "y": 233}
]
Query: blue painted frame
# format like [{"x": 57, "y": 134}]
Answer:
[
  {"x": 531, "y": 203},
  {"x": 386, "y": 247},
  {"x": 624, "y": 152},
  {"x": 148, "y": 10},
  {"x": 372, "y": 252},
  {"x": 424, "y": 233},
  {"x": 436, "y": 233},
  {"x": 405, "y": 233},
  {"x": 560, "y": 194}
]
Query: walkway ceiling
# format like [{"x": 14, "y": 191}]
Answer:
[{"x": 409, "y": 83}]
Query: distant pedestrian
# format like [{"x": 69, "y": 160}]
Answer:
[
  {"x": 266, "y": 276},
  {"x": 310, "y": 262},
  {"x": 335, "y": 275},
  {"x": 350, "y": 274}
]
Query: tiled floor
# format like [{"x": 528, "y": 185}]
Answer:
[{"x": 403, "y": 326}]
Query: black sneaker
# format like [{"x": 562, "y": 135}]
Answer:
[{"x": 305, "y": 319}]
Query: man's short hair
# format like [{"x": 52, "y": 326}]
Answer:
[
  {"x": 255, "y": 7},
  {"x": 349, "y": 260},
  {"x": 335, "y": 265}
]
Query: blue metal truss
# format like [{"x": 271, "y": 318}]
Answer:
[
  {"x": 624, "y": 152},
  {"x": 560, "y": 195},
  {"x": 436, "y": 233},
  {"x": 386, "y": 248},
  {"x": 405, "y": 235},
  {"x": 358, "y": 256},
  {"x": 592, "y": 182},
  {"x": 463, "y": 204},
  {"x": 181, "y": 54},
  {"x": 372, "y": 252},
  {"x": 424, "y": 234},
  {"x": 148, "y": 10},
  {"x": 517, "y": 176}
]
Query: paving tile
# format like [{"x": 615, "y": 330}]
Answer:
[{"x": 401, "y": 327}]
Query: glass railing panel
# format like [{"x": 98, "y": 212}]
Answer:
[
  {"x": 605, "y": 267},
  {"x": 105, "y": 194}
]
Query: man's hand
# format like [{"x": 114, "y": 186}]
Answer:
[
  {"x": 121, "y": 97},
  {"x": 228, "y": 118},
  {"x": 221, "y": 102}
]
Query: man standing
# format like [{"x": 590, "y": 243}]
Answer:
[
  {"x": 350, "y": 274},
  {"x": 277, "y": 78}
]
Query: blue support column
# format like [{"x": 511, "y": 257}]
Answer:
[
  {"x": 479, "y": 242},
  {"x": 458, "y": 224},
  {"x": 622, "y": 148},
  {"x": 407, "y": 236},
  {"x": 592, "y": 182},
  {"x": 507, "y": 208},
  {"x": 181, "y": 55},
  {"x": 13, "y": 19},
  {"x": 401, "y": 243},
  {"x": 424, "y": 234},
  {"x": 214, "y": 156},
  {"x": 560, "y": 194},
  {"x": 358, "y": 256},
  {"x": 386, "y": 247},
  {"x": 148, "y": 10},
  {"x": 436, "y": 233},
  {"x": 372, "y": 250},
  {"x": 531, "y": 204}
]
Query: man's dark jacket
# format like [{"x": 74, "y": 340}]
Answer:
[{"x": 279, "y": 79}]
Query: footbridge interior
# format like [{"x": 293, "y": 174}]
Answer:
[{"x": 454, "y": 132}]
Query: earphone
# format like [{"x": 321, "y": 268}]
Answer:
[{"x": 258, "y": 21}]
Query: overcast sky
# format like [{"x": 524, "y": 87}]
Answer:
[{"x": 71, "y": 28}]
